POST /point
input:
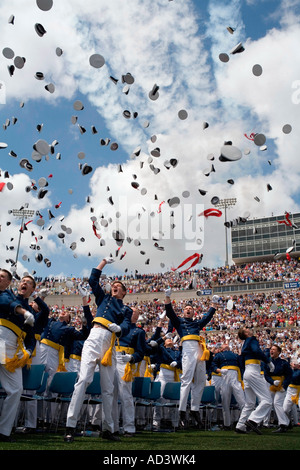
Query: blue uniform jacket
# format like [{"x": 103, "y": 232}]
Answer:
[
  {"x": 41, "y": 317},
  {"x": 187, "y": 326},
  {"x": 168, "y": 355},
  {"x": 136, "y": 339},
  {"x": 108, "y": 307},
  {"x": 74, "y": 349},
  {"x": 252, "y": 350},
  {"x": 226, "y": 358},
  {"x": 62, "y": 333},
  {"x": 295, "y": 379},
  {"x": 8, "y": 304},
  {"x": 282, "y": 368}
]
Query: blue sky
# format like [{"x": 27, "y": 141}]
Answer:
[{"x": 183, "y": 60}]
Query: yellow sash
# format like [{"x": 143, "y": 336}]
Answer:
[
  {"x": 295, "y": 398},
  {"x": 126, "y": 349},
  {"x": 61, "y": 353},
  {"x": 75, "y": 356},
  {"x": 130, "y": 368},
  {"x": 148, "y": 371},
  {"x": 200, "y": 339},
  {"x": 273, "y": 388},
  {"x": 11, "y": 364},
  {"x": 107, "y": 358},
  {"x": 238, "y": 372},
  {"x": 174, "y": 369},
  {"x": 252, "y": 361}
]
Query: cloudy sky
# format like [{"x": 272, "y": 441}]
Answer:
[{"x": 162, "y": 89}]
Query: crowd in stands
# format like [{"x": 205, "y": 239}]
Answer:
[
  {"x": 275, "y": 315},
  {"x": 279, "y": 270}
]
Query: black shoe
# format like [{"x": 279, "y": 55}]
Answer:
[
  {"x": 69, "y": 435},
  {"x": 251, "y": 425},
  {"x": 26, "y": 430},
  {"x": 128, "y": 434},
  {"x": 240, "y": 431},
  {"x": 110, "y": 436},
  {"x": 196, "y": 415},
  {"x": 182, "y": 419},
  {"x": 282, "y": 428},
  {"x": 226, "y": 428},
  {"x": 4, "y": 438}
]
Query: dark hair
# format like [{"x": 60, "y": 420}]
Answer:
[
  {"x": 278, "y": 347},
  {"x": 9, "y": 274},
  {"x": 241, "y": 333}
]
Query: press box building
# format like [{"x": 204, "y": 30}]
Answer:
[{"x": 260, "y": 239}]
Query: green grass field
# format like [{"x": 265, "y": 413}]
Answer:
[{"x": 190, "y": 440}]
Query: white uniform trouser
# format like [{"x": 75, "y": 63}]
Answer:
[
  {"x": 193, "y": 375},
  {"x": 49, "y": 357},
  {"x": 165, "y": 376},
  {"x": 124, "y": 393},
  {"x": 31, "y": 406},
  {"x": 288, "y": 405},
  {"x": 231, "y": 386},
  {"x": 95, "y": 346},
  {"x": 254, "y": 387},
  {"x": 216, "y": 381},
  {"x": 11, "y": 382},
  {"x": 73, "y": 365},
  {"x": 278, "y": 400}
]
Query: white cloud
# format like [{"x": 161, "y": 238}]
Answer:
[{"x": 162, "y": 44}]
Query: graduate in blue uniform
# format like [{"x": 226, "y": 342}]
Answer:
[
  {"x": 40, "y": 310},
  {"x": 130, "y": 351},
  {"x": 112, "y": 320},
  {"x": 278, "y": 382},
  {"x": 254, "y": 384},
  {"x": 194, "y": 354},
  {"x": 292, "y": 397},
  {"x": 17, "y": 342},
  {"x": 229, "y": 365}
]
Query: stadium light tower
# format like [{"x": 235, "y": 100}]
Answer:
[
  {"x": 22, "y": 213},
  {"x": 226, "y": 204}
]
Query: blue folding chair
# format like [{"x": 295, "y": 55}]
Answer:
[
  {"x": 171, "y": 393},
  {"x": 32, "y": 380},
  {"x": 93, "y": 397},
  {"x": 208, "y": 404},
  {"x": 150, "y": 400},
  {"x": 62, "y": 386},
  {"x": 141, "y": 387}
]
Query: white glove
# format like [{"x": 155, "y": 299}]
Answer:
[
  {"x": 109, "y": 260},
  {"x": 224, "y": 371},
  {"x": 126, "y": 357},
  {"x": 43, "y": 293},
  {"x": 169, "y": 335},
  {"x": 114, "y": 328},
  {"x": 153, "y": 343},
  {"x": 215, "y": 299},
  {"x": 173, "y": 364},
  {"x": 152, "y": 366},
  {"x": 29, "y": 318},
  {"x": 276, "y": 383},
  {"x": 271, "y": 367},
  {"x": 83, "y": 291},
  {"x": 168, "y": 292},
  {"x": 162, "y": 316}
]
